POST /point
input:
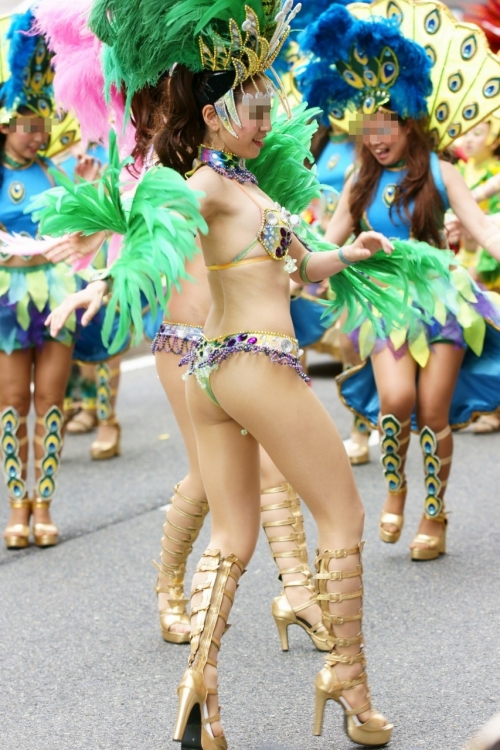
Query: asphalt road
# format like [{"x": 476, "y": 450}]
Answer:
[{"x": 83, "y": 664}]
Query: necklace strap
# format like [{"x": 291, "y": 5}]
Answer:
[
  {"x": 9, "y": 161},
  {"x": 226, "y": 164}
]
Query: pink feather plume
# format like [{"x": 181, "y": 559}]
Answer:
[{"x": 79, "y": 81}]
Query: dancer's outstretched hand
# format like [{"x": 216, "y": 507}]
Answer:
[
  {"x": 365, "y": 245},
  {"x": 76, "y": 246},
  {"x": 89, "y": 298}
]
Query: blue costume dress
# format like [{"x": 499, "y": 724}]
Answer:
[
  {"x": 333, "y": 166},
  {"x": 29, "y": 293},
  {"x": 478, "y": 387}
]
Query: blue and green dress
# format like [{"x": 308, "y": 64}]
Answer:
[
  {"x": 463, "y": 316},
  {"x": 28, "y": 293}
]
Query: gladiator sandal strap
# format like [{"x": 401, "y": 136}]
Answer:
[
  {"x": 326, "y": 597},
  {"x": 206, "y": 612},
  {"x": 434, "y": 484},
  {"x": 296, "y": 538},
  {"x": 391, "y": 443},
  {"x": 175, "y": 571},
  {"x": 13, "y": 466}
]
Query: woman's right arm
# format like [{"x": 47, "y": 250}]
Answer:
[{"x": 341, "y": 225}]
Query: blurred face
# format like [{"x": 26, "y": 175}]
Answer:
[
  {"x": 25, "y": 136},
  {"x": 255, "y": 118},
  {"x": 385, "y": 137},
  {"x": 474, "y": 143}
]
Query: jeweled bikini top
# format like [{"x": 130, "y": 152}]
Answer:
[{"x": 276, "y": 230}]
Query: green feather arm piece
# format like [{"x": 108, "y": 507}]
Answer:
[
  {"x": 410, "y": 272},
  {"x": 158, "y": 222},
  {"x": 280, "y": 168}
]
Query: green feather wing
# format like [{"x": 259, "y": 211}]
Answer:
[
  {"x": 158, "y": 223},
  {"x": 280, "y": 167}
]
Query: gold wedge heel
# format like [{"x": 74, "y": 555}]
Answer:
[
  {"x": 171, "y": 575},
  {"x": 376, "y": 731},
  {"x": 211, "y": 601},
  {"x": 292, "y": 546}
]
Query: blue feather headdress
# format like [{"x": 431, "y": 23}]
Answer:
[
  {"x": 31, "y": 74},
  {"x": 363, "y": 65}
]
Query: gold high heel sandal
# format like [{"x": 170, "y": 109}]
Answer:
[
  {"x": 46, "y": 534},
  {"x": 390, "y": 444},
  {"x": 434, "y": 546},
  {"x": 100, "y": 450},
  {"x": 358, "y": 453},
  {"x": 16, "y": 535},
  {"x": 175, "y": 613},
  {"x": 193, "y": 723},
  {"x": 283, "y": 612},
  {"x": 375, "y": 732}
]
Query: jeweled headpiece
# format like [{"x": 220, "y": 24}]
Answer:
[
  {"x": 29, "y": 74},
  {"x": 410, "y": 55},
  {"x": 231, "y": 41}
]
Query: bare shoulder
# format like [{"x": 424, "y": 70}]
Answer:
[
  {"x": 448, "y": 171},
  {"x": 213, "y": 186}
]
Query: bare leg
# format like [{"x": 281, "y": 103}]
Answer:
[
  {"x": 436, "y": 386},
  {"x": 52, "y": 367},
  {"x": 277, "y": 404},
  {"x": 15, "y": 396},
  {"x": 396, "y": 388}
]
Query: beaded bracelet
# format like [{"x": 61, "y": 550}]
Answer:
[
  {"x": 302, "y": 270},
  {"x": 342, "y": 257}
]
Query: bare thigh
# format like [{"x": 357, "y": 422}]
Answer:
[{"x": 284, "y": 415}]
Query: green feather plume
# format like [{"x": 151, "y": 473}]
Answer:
[
  {"x": 410, "y": 272},
  {"x": 145, "y": 40},
  {"x": 158, "y": 223},
  {"x": 280, "y": 167}
]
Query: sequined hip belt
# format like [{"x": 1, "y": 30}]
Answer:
[
  {"x": 177, "y": 338},
  {"x": 206, "y": 357}
]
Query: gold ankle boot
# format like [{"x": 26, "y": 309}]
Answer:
[
  {"x": 211, "y": 601},
  {"x": 391, "y": 443},
  {"x": 432, "y": 546},
  {"x": 283, "y": 612},
  {"x": 16, "y": 535},
  {"x": 376, "y": 731},
  {"x": 175, "y": 613}
]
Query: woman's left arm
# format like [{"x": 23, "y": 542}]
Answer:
[
  {"x": 481, "y": 227},
  {"x": 313, "y": 267}
]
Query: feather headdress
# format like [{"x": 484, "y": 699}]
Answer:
[
  {"x": 457, "y": 86},
  {"x": 30, "y": 70},
  {"x": 227, "y": 37}
]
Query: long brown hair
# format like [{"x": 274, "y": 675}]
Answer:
[
  {"x": 425, "y": 217},
  {"x": 180, "y": 126},
  {"x": 144, "y": 106}
]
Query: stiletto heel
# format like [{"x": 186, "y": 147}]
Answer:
[
  {"x": 391, "y": 443},
  {"x": 282, "y": 626},
  {"x": 433, "y": 546},
  {"x": 193, "y": 724},
  {"x": 319, "y": 711},
  {"x": 376, "y": 731},
  {"x": 175, "y": 613},
  {"x": 282, "y": 611}
]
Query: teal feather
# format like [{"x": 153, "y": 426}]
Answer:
[{"x": 158, "y": 223}]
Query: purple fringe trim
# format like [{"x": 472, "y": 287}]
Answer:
[
  {"x": 198, "y": 360},
  {"x": 176, "y": 339}
]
